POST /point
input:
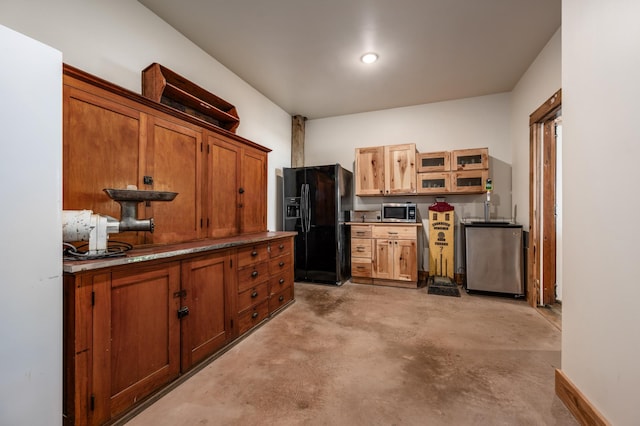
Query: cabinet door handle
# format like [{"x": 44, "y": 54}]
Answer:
[
  {"x": 254, "y": 315},
  {"x": 392, "y": 233},
  {"x": 281, "y": 264},
  {"x": 281, "y": 298},
  {"x": 281, "y": 246},
  {"x": 241, "y": 190},
  {"x": 281, "y": 281},
  {"x": 254, "y": 274},
  {"x": 183, "y": 312},
  {"x": 254, "y": 253},
  {"x": 254, "y": 294}
]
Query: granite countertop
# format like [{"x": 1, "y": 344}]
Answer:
[{"x": 145, "y": 254}]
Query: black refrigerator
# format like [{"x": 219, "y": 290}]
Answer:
[{"x": 317, "y": 203}]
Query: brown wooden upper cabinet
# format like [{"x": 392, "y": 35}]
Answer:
[
  {"x": 386, "y": 170},
  {"x": 462, "y": 171},
  {"x": 114, "y": 138},
  {"x": 470, "y": 159},
  {"x": 237, "y": 178}
]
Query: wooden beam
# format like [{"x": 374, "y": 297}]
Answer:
[
  {"x": 577, "y": 402},
  {"x": 297, "y": 140}
]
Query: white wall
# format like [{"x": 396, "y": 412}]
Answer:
[
  {"x": 30, "y": 247},
  {"x": 541, "y": 80},
  {"x": 600, "y": 109},
  {"x": 117, "y": 39}
]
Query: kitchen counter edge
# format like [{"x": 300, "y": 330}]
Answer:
[
  {"x": 418, "y": 224},
  {"x": 145, "y": 254}
]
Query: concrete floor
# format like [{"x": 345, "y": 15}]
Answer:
[{"x": 367, "y": 355}]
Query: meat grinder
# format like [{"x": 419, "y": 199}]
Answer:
[{"x": 84, "y": 225}]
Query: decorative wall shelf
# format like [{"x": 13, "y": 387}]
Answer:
[{"x": 167, "y": 87}]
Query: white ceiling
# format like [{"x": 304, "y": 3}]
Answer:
[{"x": 304, "y": 54}]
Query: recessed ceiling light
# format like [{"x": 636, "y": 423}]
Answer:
[{"x": 369, "y": 58}]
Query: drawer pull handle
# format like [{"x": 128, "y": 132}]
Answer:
[
  {"x": 359, "y": 233},
  {"x": 254, "y": 294},
  {"x": 360, "y": 249},
  {"x": 281, "y": 281},
  {"x": 254, "y": 315},
  {"x": 254, "y": 253},
  {"x": 281, "y": 264},
  {"x": 254, "y": 274},
  {"x": 393, "y": 233},
  {"x": 281, "y": 246},
  {"x": 281, "y": 298}
]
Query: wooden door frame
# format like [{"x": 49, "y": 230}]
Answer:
[{"x": 549, "y": 110}]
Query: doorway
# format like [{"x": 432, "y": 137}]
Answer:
[{"x": 544, "y": 276}]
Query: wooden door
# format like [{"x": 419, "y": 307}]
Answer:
[
  {"x": 253, "y": 191},
  {"x": 136, "y": 337},
  {"x": 383, "y": 259},
  {"x": 542, "y": 180},
  {"x": 224, "y": 158},
  {"x": 400, "y": 169},
  {"x": 173, "y": 161},
  {"x": 370, "y": 175},
  {"x": 101, "y": 141},
  {"x": 549, "y": 212},
  {"x": 405, "y": 257},
  {"x": 206, "y": 285}
]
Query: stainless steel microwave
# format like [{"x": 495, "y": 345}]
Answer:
[{"x": 399, "y": 212}]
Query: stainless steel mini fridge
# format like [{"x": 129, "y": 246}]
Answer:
[{"x": 494, "y": 257}]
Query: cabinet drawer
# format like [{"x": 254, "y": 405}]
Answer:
[
  {"x": 361, "y": 268},
  {"x": 280, "y": 264},
  {"x": 279, "y": 282},
  {"x": 252, "y": 296},
  {"x": 361, "y": 247},
  {"x": 360, "y": 231},
  {"x": 252, "y": 276},
  {"x": 280, "y": 299},
  {"x": 280, "y": 248},
  {"x": 252, "y": 254},
  {"x": 253, "y": 316},
  {"x": 395, "y": 232}
]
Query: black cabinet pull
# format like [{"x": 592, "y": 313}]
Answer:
[
  {"x": 241, "y": 190},
  {"x": 183, "y": 312},
  {"x": 281, "y": 280},
  {"x": 254, "y": 315},
  {"x": 281, "y": 264},
  {"x": 281, "y": 298},
  {"x": 281, "y": 246},
  {"x": 254, "y": 253},
  {"x": 254, "y": 274},
  {"x": 254, "y": 294}
]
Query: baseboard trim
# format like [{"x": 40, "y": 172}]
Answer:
[{"x": 577, "y": 402}]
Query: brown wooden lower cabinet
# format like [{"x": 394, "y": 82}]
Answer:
[
  {"x": 129, "y": 330},
  {"x": 384, "y": 254}
]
